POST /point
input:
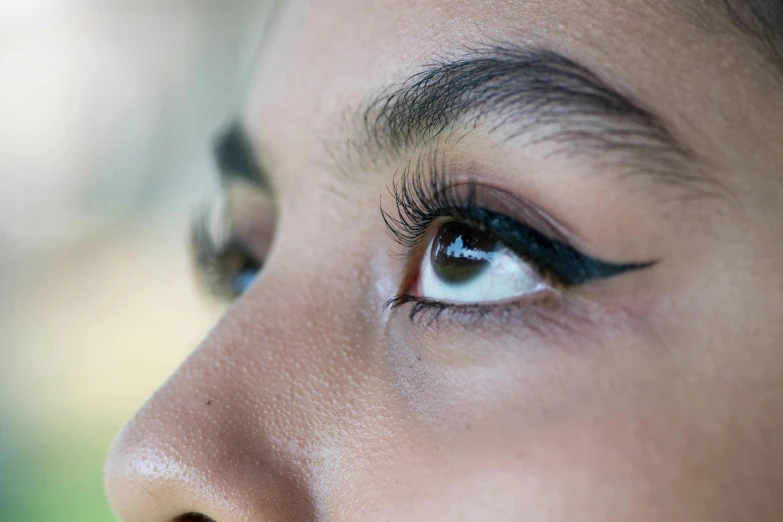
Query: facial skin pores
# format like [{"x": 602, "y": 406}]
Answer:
[{"x": 487, "y": 261}]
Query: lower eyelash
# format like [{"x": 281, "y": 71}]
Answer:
[
  {"x": 543, "y": 315},
  {"x": 427, "y": 312}
]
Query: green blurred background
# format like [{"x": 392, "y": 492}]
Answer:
[{"x": 107, "y": 109}]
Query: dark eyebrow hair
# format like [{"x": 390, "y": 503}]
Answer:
[
  {"x": 236, "y": 158},
  {"x": 541, "y": 95},
  {"x": 762, "y": 20}
]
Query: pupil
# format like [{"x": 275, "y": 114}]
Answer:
[{"x": 461, "y": 252}]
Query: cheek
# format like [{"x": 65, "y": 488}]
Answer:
[
  {"x": 580, "y": 431},
  {"x": 569, "y": 474},
  {"x": 646, "y": 468},
  {"x": 450, "y": 378}
]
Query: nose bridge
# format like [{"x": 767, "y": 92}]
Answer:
[{"x": 233, "y": 432}]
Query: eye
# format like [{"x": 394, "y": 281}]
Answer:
[
  {"x": 471, "y": 247},
  {"x": 466, "y": 265},
  {"x": 226, "y": 267}
]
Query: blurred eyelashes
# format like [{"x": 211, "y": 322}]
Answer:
[{"x": 225, "y": 264}]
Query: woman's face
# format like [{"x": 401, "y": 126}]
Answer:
[{"x": 581, "y": 222}]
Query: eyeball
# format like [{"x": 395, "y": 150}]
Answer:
[{"x": 466, "y": 265}]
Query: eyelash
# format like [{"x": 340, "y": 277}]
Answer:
[
  {"x": 422, "y": 197},
  {"x": 212, "y": 253}
]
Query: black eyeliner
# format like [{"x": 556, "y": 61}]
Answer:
[{"x": 569, "y": 266}]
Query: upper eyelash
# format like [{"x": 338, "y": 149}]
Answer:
[
  {"x": 206, "y": 251},
  {"x": 209, "y": 250},
  {"x": 421, "y": 199}
]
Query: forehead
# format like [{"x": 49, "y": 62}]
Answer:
[{"x": 329, "y": 57}]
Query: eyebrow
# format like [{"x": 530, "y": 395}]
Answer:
[
  {"x": 762, "y": 21},
  {"x": 236, "y": 159},
  {"x": 541, "y": 96}
]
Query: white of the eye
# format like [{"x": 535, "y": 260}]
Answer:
[{"x": 505, "y": 278}]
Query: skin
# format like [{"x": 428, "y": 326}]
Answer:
[{"x": 662, "y": 400}]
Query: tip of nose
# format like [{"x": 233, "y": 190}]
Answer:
[
  {"x": 153, "y": 479},
  {"x": 113, "y": 475}
]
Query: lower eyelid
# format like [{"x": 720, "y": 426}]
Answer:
[{"x": 541, "y": 314}]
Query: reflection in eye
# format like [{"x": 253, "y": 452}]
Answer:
[{"x": 466, "y": 265}]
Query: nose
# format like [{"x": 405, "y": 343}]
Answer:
[{"x": 235, "y": 432}]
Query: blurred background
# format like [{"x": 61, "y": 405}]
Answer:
[{"x": 107, "y": 111}]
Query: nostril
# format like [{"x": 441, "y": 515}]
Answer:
[{"x": 193, "y": 517}]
